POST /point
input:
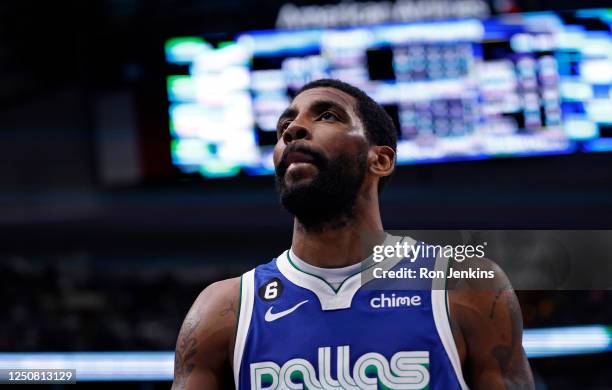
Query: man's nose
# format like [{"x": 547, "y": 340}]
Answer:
[{"x": 298, "y": 129}]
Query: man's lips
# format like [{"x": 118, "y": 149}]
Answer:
[{"x": 298, "y": 157}]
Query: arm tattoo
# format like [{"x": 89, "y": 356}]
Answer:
[
  {"x": 228, "y": 310},
  {"x": 494, "y": 303},
  {"x": 503, "y": 353},
  {"x": 497, "y": 296},
  {"x": 185, "y": 354}
]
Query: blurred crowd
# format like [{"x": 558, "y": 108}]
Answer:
[{"x": 76, "y": 304}]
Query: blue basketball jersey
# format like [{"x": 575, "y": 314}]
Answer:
[{"x": 296, "y": 331}]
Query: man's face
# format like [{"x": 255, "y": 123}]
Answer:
[{"x": 320, "y": 157}]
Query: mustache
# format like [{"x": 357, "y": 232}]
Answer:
[{"x": 318, "y": 159}]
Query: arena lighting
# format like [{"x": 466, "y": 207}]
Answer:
[
  {"x": 158, "y": 366},
  {"x": 516, "y": 85},
  {"x": 98, "y": 366},
  {"x": 571, "y": 340}
]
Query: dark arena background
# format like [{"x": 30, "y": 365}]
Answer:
[{"x": 120, "y": 199}]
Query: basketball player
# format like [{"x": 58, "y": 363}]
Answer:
[{"x": 305, "y": 320}]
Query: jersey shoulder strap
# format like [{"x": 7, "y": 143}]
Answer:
[{"x": 245, "y": 312}]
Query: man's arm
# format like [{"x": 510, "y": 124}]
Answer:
[
  {"x": 204, "y": 348},
  {"x": 487, "y": 316}
]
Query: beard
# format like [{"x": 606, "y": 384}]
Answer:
[{"x": 328, "y": 199}]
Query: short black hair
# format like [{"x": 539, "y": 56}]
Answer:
[{"x": 379, "y": 126}]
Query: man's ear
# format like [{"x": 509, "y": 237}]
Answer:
[{"x": 381, "y": 159}]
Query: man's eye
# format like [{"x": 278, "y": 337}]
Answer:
[
  {"x": 283, "y": 126},
  {"x": 328, "y": 116}
]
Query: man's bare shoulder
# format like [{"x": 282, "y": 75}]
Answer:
[
  {"x": 483, "y": 282},
  {"x": 483, "y": 303},
  {"x": 205, "y": 342},
  {"x": 488, "y": 327},
  {"x": 215, "y": 310},
  {"x": 223, "y": 294}
]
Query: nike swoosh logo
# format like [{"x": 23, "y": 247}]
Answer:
[{"x": 269, "y": 317}]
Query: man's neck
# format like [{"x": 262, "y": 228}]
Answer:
[{"x": 338, "y": 246}]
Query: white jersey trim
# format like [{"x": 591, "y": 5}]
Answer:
[
  {"x": 247, "y": 295},
  {"x": 441, "y": 318},
  {"x": 330, "y": 299}
]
